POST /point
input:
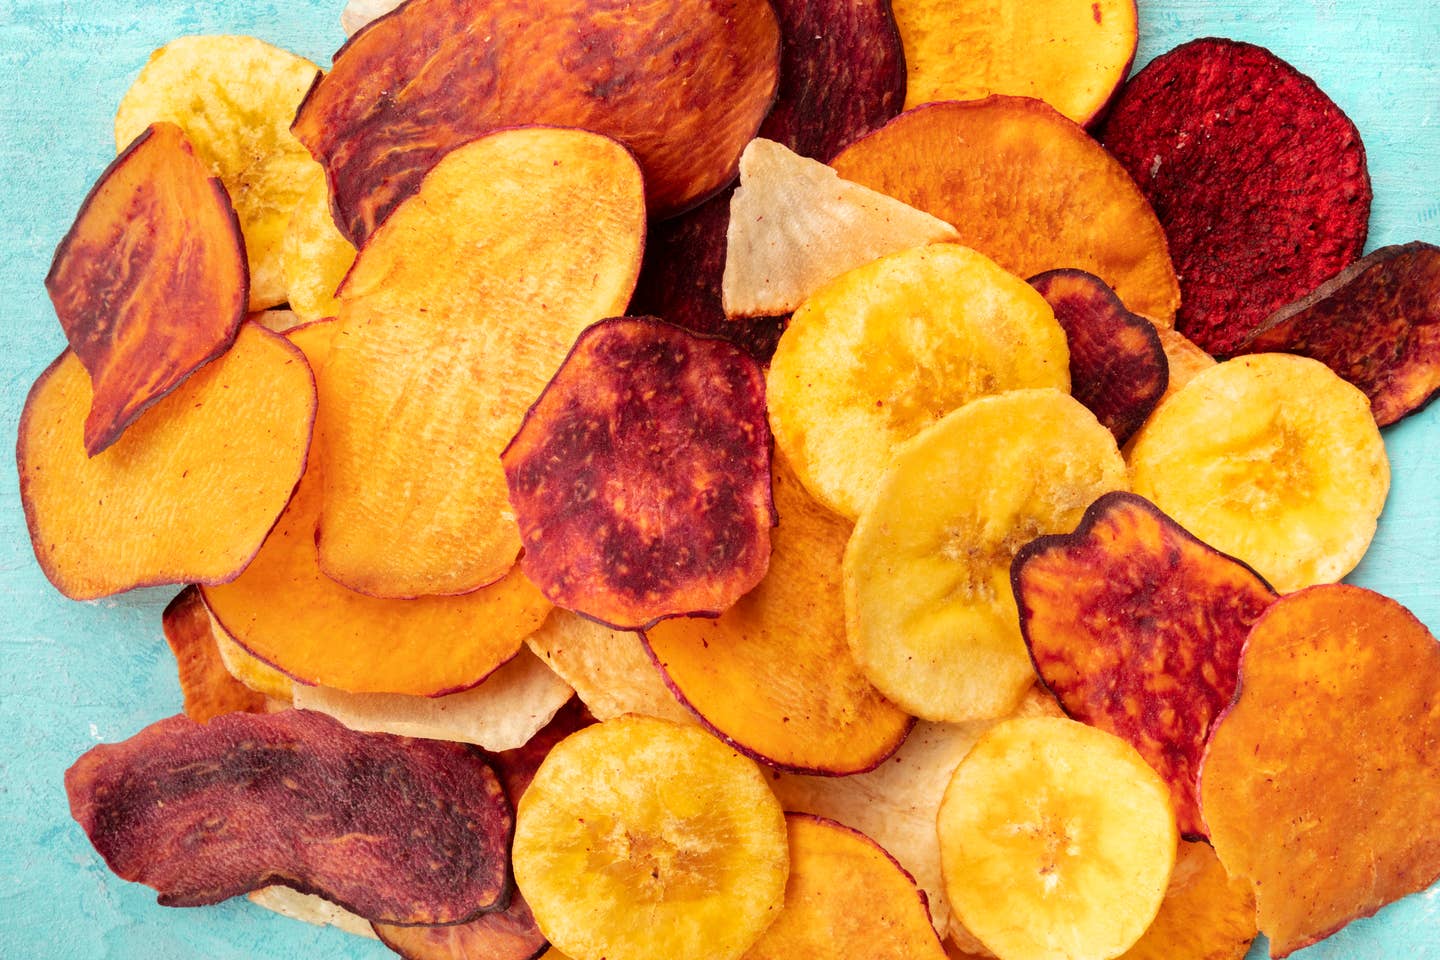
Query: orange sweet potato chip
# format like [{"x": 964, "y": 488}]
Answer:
[
  {"x": 206, "y": 684},
  {"x": 150, "y": 282},
  {"x": 1206, "y": 914},
  {"x": 1027, "y": 188},
  {"x": 1319, "y": 782}
]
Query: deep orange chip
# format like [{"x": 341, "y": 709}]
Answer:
[
  {"x": 1206, "y": 914},
  {"x": 205, "y": 682},
  {"x": 151, "y": 280}
]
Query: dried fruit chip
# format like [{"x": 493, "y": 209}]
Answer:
[
  {"x": 150, "y": 282},
  {"x": 205, "y": 812},
  {"x": 641, "y": 477},
  {"x": 1376, "y": 323},
  {"x": 1057, "y": 840},
  {"x": 930, "y": 614},
  {"x": 1136, "y": 628},
  {"x": 1272, "y": 459},
  {"x": 642, "y": 839},
  {"x": 308, "y": 908},
  {"x": 1328, "y": 828},
  {"x": 1206, "y": 913},
  {"x": 234, "y": 97},
  {"x": 188, "y": 493},
  {"x": 1258, "y": 178},
  {"x": 314, "y": 256},
  {"x": 1025, "y": 187},
  {"x": 208, "y": 688},
  {"x": 1118, "y": 367}
]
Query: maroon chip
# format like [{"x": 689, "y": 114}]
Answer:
[
  {"x": 1256, "y": 175},
  {"x": 641, "y": 477}
]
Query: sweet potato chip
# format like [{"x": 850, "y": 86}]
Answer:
[
  {"x": 1136, "y": 628},
  {"x": 1258, "y": 178},
  {"x": 773, "y": 675},
  {"x": 314, "y": 256},
  {"x": 249, "y": 669},
  {"x": 207, "y": 686},
  {"x": 1319, "y": 782},
  {"x": 1183, "y": 359},
  {"x": 540, "y": 231},
  {"x": 202, "y": 813},
  {"x": 1025, "y": 187},
  {"x": 1206, "y": 913},
  {"x": 150, "y": 282},
  {"x": 308, "y": 908},
  {"x": 1376, "y": 323},
  {"x": 188, "y": 493},
  {"x": 641, "y": 477}
]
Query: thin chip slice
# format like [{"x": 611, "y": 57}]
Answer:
[
  {"x": 1027, "y": 188},
  {"x": 642, "y": 839},
  {"x": 1272, "y": 459},
  {"x": 308, "y": 908},
  {"x": 1206, "y": 914},
  {"x": 150, "y": 281},
  {"x": 360, "y": 13},
  {"x": 207, "y": 686},
  {"x": 1328, "y": 828},
  {"x": 278, "y": 320},
  {"x": 930, "y": 614},
  {"x": 1183, "y": 359},
  {"x": 314, "y": 256},
  {"x": 248, "y": 668}
]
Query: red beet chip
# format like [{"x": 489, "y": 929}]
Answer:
[
  {"x": 641, "y": 477},
  {"x": 1118, "y": 367},
  {"x": 1258, "y": 178},
  {"x": 391, "y": 829},
  {"x": 1376, "y": 324}
]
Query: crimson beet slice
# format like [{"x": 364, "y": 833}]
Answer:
[
  {"x": 641, "y": 477},
  {"x": 397, "y": 830},
  {"x": 1376, "y": 324},
  {"x": 1136, "y": 627},
  {"x": 1258, "y": 178},
  {"x": 1118, "y": 367}
]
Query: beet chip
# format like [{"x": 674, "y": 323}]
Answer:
[
  {"x": 1376, "y": 324},
  {"x": 641, "y": 477},
  {"x": 1118, "y": 367},
  {"x": 392, "y": 829},
  {"x": 1258, "y": 178},
  {"x": 1136, "y": 627}
]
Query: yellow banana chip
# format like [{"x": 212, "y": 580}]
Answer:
[{"x": 314, "y": 257}]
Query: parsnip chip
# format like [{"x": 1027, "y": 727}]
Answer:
[
  {"x": 207, "y": 686},
  {"x": 235, "y": 98},
  {"x": 930, "y": 614},
  {"x": 308, "y": 908},
  {"x": 887, "y": 349},
  {"x": 1272, "y": 459},
  {"x": 1206, "y": 914},
  {"x": 1027, "y": 188},
  {"x": 1329, "y": 827},
  {"x": 314, "y": 256}
]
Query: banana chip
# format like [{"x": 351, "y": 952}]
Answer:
[{"x": 315, "y": 256}]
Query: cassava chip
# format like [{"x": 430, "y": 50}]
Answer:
[
  {"x": 1027, "y": 188},
  {"x": 1118, "y": 367},
  {"x": 207, "y": 686},
  {"x": 1206, "y": 914},
  {"x": 188, "y": 493},
  {"x": 1376, "y": 323},
  {"x": 1258, "y": 178},
  {"x": 611, "y": 670},
  {"x": 234, "y": 97},
  {"x": 1272, "y": 459},
  {"x": 1136, "y": 628},
  {"x": 930, "y": 614},
  {"x": 308, "y": 908},
  {"x": 641, "y": 477},
  {"x": 314, "y": 256},
  {"x": 1319, "y": 782},
  {"x": 205, "y": 812},
  {"x": 540, "y": 231},
  {"x": 150, "y": 281},
  {"x": 642, "y": 839},
  {"x": 887, "y": 349}
]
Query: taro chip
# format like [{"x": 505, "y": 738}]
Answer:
[
  {"x": 205, "y": 812},
  {"x": 150, "y": 282},
  {"x": 206, "y": 683},
  {"x": 1118, "y": 367},
  {"x": 1319, "y": 782},
  {"x": 641, "y": 477},
  {"x": 1136, "y": 627},
  {"x": 1376, "y": 324}
]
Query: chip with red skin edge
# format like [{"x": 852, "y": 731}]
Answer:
[
  {"x": 1136, "y": 627},
  {"x": 1376, "y": 324},
  {"x": 1118, "y": 367},
  {"x": 641, "y": 477},
  {"x": 206, "y": 684},
  {"x": 1258, "y": 178},
  {"x": 392, "y": 829}
]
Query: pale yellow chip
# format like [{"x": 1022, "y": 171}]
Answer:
[
  {"x": 308, "y": 908},
  {"x": 360, "y": 13},
  {"x": 315, "y": 256},
  {"x": 885, "y": 350},
  {"x": 235, "y": 98}
]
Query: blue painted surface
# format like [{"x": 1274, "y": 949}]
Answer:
[{"x": 73, "y": 674}]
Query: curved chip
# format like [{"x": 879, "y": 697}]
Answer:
[
  {"x": 314, "y": 256},
  {"x": 641, "y": 477},
  {"x": 1183, "y": 360},
  {"x": 249, "y": 669},
  {"x": 206, "y": 683}
]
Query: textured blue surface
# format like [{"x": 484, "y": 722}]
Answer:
[{"x": 73, "y": 674}]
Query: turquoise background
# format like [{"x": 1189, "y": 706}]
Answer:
[{"x": 72, "y": 674}]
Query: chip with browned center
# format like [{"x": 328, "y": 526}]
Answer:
[
  {"x": 202, "y": 813},
  {"x": 641, "y": 477},
  {"x": 150, "y": 282},
  {"x": 207, "y": 686},
  {"x": 1136, "y": 627}
]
